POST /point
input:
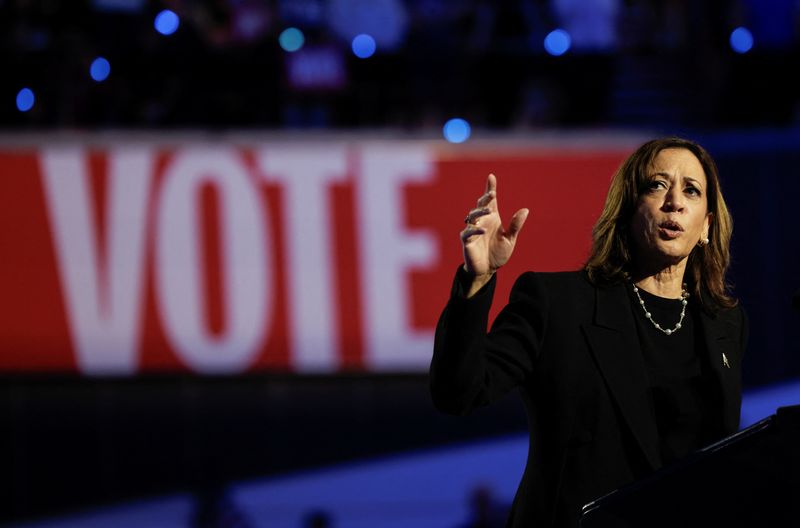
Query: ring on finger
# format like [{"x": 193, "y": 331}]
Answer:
[{"x": 475, "y": 215}]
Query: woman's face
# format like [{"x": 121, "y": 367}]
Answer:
[{"x": 672, "y": 215}]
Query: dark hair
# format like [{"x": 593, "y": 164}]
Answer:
[{"x": 610, "y": 258}]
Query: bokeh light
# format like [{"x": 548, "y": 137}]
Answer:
[
  {"x": 291, "y": 39},
  {"x": 25, "y": 99},
  {"x": 741, "y": 40},
  {"x": 557, "y": 42},
  {"x": 100, "y": 69},
  {"x": 364, "y": 46},
  {"x": 456, "y": 130},
  {"x": 167, "y": 22}
]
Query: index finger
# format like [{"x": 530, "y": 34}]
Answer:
[{"x": 491, "y": 183}]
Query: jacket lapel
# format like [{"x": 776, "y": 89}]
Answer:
[
  {"x": 615, "y": 344},
  {"x": 721, "y": 340}
]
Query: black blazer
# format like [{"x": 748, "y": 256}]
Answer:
[{"x": 573, "y": 350}]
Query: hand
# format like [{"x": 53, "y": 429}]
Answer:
[{"x": 487, "y": 245}]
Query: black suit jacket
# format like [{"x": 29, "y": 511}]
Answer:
[{"x": 573, "y": 350}]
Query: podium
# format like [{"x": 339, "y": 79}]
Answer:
[{"x": 751, "y": 478}]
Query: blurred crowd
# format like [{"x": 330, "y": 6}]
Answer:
[{"x": 631, "y": 62}]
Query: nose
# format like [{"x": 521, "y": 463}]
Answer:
[{"x": 674, "y": 200}]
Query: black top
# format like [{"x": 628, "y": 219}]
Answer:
[
  {"x": 682, "y": 401},
  {"x": 572, "y": 349}
]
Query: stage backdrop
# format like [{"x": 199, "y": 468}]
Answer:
[{"x": 239, "y": 255}]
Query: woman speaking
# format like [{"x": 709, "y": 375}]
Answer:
[{"x": 624, "y": 366}]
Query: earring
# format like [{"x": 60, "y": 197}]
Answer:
[{"x": 703, "y": 242}]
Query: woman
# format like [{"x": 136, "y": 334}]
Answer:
[{"x": 624, "y": 366}]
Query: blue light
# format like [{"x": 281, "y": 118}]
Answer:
[
  {"x": 364, "y": 46},
  {"x": 100, "y": 69},
  {"x": 741, "y": 40},
  {"x": 25, "y": 99},
  {"x": 557, "y": 42},
  {"x": 291, "y": 39},
  {"x": 456, "y": 130},
  {"x": 760, "y": 403},
  {"x": 167, "y": 22}
]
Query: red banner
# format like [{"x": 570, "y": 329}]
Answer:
[{"x": 290, "y": 256}]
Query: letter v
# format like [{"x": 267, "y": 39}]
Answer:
[{"x": 103, "y": 305}]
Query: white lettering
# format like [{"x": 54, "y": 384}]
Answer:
[
  {"x": 103, "y": 302},
  {"x": 306, "y": 180},
  {"x": 388, "y": 252},
  {"x": 247, "y": 299}
]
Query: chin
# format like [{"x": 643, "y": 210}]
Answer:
[
  {"x": 673, "y": 257},
  {"x": 672, "y": 252}
]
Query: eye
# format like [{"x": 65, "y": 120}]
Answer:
[
  {"x": 693, "y": 191},
  {"x": 654, "y": 185}
]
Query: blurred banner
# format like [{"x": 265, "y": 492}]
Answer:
[{"x": 242, "y": 255}]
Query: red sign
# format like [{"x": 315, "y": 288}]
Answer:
[{"x": 291, "y": 256}]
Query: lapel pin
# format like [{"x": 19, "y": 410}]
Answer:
[{"x": 725, "y": 360}]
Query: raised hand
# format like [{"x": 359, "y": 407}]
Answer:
[{"x": 487, "y": 245}]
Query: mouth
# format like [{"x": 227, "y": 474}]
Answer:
[{"x": 670, "y": 229}]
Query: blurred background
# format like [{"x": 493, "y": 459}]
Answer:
[{"x": 228, "y": 227}]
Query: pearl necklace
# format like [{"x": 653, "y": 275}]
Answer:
[{"x": 649, "y": 316}]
